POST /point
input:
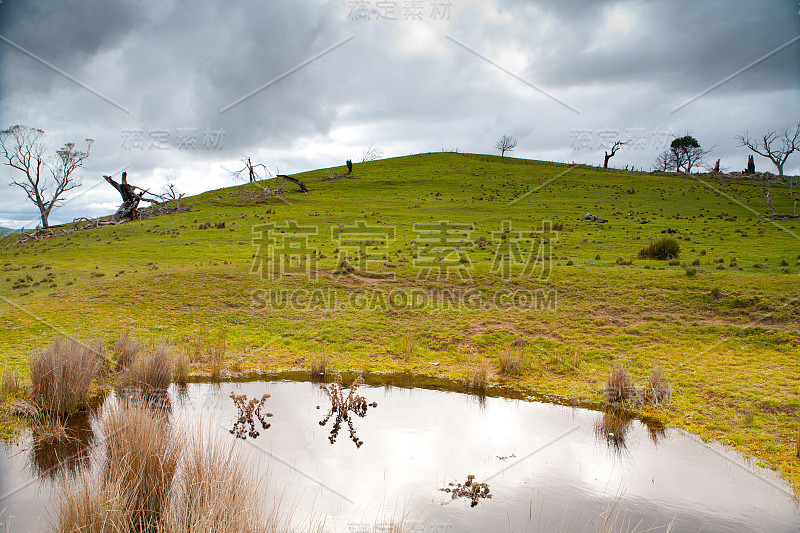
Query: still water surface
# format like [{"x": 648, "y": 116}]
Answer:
[{"x": 548, "y": 467}]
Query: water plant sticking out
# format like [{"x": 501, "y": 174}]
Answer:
[
  {"x": 341, "y": 406},
  {"x": 469, "y": 489},
  {"x": 245, "y": 425}
]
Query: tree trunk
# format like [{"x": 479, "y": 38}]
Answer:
[{"x": 130, "y": 200}]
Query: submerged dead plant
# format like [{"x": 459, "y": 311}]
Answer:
[
  {"x": 342, "y": 406},
  {"x": 245, "y": 425},
  {"x": 469, "y": 489}
]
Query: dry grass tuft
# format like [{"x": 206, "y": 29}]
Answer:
[
  {"x": 150, "y": 371},
  {"x": 319, "y": 366},
  {"x": 407, "y": 344},
  {"x": 10, "y": 383},
  {"x": 61, "y": 375},
  {"x": 181, "y": 362},
  {"x": 658, "y": 389},
  {"x": 126, "y": 348},
  {"x": 510, "y": 363},
  {"x": 209, "y": 350},
  {"x": 619, "y": 386},
  {"x": 480, "y": 376}
]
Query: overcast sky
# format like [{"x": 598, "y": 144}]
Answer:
[{"x": 173, "y": 89}]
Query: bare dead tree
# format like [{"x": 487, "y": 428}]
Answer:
[
  {"x": 505, "y": 144},
  {"x": 252, "y": 170},
  {"x": 130, "y": 198},
  {"x": 614, "y": 149},
  {"x": 775, "y": 146},
  {"x": 170, "y": 193},
  {"x": 665, "y": 162},
  {"x": 45, "y": 181},
  {"x": 371, "y": 153}
]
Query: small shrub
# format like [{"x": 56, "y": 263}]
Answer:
[
  {"x": 597, "y": 257},
  {"x": 570, "y": 262},
  {"x": 61, "y": 375},
  {"x": 696, "y": 262},
  {"x": 510, "y": 362},
  {"x": 674, "y": 262},
  {"x": 658, "y": 389},
  {"x": 691, "y": 272},
  {"x": 623, "y": 261},
  {"x": 619, "y": 386},
  {"x": 784, "y": 263},
  {"x": 126, "y": 348},
  {"x": 661, "y": 249},
  {"x": 716, "y": 293},
  {"x": 558, "y": 226}
]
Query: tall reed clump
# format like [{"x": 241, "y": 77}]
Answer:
[
  {"x": 619, "y": 386},
  {"x": 151, "y": 370},
  {"x": 90, "y": 506},
  {"x": 215, "y": 491},
  {"x": 663, "y": 249},
  {"x": 131, "y": 488},
  {"x": 142, "y": 454},
  {"x": 151, "y": 480},
  {"x": 61, "y": 375},
  {"x": 126, "y": 348}
]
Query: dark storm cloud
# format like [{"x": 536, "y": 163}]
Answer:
[{"x": 404, "y": 85}]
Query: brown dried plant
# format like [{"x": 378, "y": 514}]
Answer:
[{"x": 341, "y": 406}]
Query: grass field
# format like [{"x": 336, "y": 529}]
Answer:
[{"x": 722, "y": 321}]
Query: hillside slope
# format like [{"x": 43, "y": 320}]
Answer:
[{"x": 722, "y": 321}]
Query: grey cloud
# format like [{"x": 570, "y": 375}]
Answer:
[{"x": 403, "y": 85}]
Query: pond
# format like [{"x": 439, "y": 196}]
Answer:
[{"x": 546, "y": 467}]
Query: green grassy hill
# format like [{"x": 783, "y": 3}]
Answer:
[
  {"x": 722, "y": 321},
  {"x": 8, "y": 231}
]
